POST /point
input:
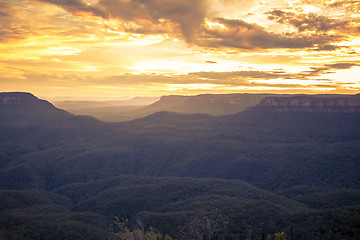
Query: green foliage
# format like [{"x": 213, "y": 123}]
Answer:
[
  {"x": 138, "y": 233},
  {"x": 280, "y": 236}
]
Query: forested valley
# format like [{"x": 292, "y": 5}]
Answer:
[{"x": 263, "y": 173}]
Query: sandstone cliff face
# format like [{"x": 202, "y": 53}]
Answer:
[{"x": 317, "y": 103}]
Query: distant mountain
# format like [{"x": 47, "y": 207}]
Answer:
[
  {"x": 109, "y": 111},
  {"x": 136, "y": 101},
  {"x": 212, "y": 104},
  {"x": 139, "y": 107}
]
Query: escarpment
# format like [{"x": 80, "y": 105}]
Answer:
[{"x": 308, "y": 103}]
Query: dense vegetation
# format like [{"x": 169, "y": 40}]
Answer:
[{"x": 251, "y": 174}]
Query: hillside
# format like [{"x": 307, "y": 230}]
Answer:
[
  {"x": 211, "y": 104},
  {"x": 260, "y": 171}
]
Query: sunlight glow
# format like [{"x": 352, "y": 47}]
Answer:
[
  {"x": 174, "y": 87},
  {"x": 346, "y": 75},
  {"x": 215, "y": 25},
  {"x": 63, "y": 51},
  {"x": 311, "y": 9},
  {"x": 227, "y": 47}
]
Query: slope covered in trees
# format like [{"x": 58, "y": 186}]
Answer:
[{"x": 252, "y": 173}]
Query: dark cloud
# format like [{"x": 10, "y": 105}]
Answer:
[
  {"x": 328, "y": 47},
  {"x": 78, "y": 7},
  {"x": 328, "y": 68},
  {"x": 341, "y": 65},
  {"x": 240, "y": 34},
  {"x": 5, "y": 9},
  {"x": 188, "y": 15},
  {"x": 313, "y": 22},
  {"x": 350, "y": 5},
  {"x": 18, "y": 22},
  {"x": 9, "y": 33}
]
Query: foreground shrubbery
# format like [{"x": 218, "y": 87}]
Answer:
[
  {"x": 198, "y": 229},
  {"x": 124, "y": 233}
]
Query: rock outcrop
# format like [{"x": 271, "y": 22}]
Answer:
[{"x": 311, "y": 103}]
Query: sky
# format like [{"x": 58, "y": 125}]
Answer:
[{"x": 114, "y": 48}]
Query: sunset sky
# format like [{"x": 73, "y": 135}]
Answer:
[{"x": 114, "y": 48}]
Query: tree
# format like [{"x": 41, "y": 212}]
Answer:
[
  {"x": 199, "y": 229},
  {"x": 139, "y": 233},
  {"x": 280, "y": 236}
]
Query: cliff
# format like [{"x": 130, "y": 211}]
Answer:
[{"x": 309, "y": 103}]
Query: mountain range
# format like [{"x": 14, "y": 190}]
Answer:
[
  {"x": 211, "y": 104},
  {"x": 281, "y": 163}
]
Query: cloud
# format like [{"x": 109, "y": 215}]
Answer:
[
  {"x": 315, "y": 79},
  {"x": 240, "y": 34},
  {"x": 246, "y": 75},
  {"x": 233, "y": 78},
  {"x": 79, "y": 7},
  {"x": 350, "y": 5},
  {"x": 314, "y": 22},
  {"x": 341, "y": 65},
  {"x": 328, "y": 47},
  {"x": 5, "y": 9},
  {"x": 328, "y": 68},
  {"x": 187, "y": 18},
  {"x": 188, "y": 15},
  {"x": 10, "y": 28}
]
